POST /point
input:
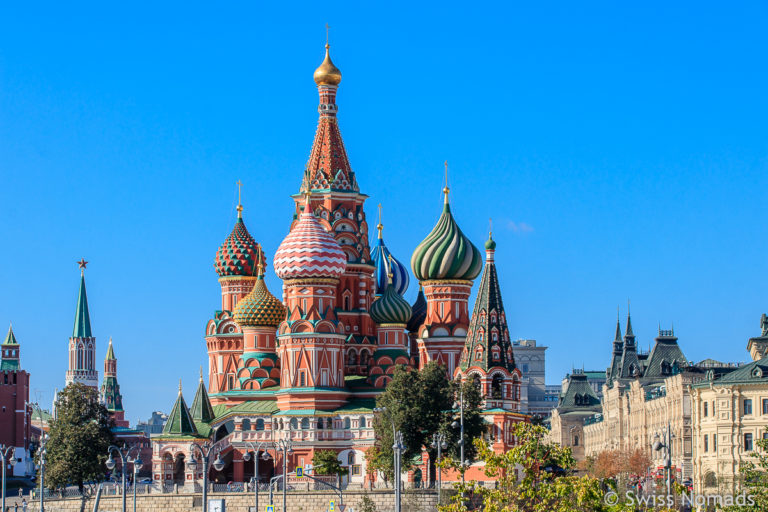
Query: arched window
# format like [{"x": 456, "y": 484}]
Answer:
[
  {"x": 259, "y": 424},
  {"x": 329, "y": 423},
  {"x": 346, "y": 303},
  {"x": 476, "y": 381},
  {"x": 496, "y": 351},
  {"x": 497, "y": 386},
  {"x": 346, "y": 422},
  {"x": 351, "y": 458},
  {"x": 575, "y": 440},
  {"x": 361, "y": 422},
  {"x": 294, "y": 423},
  {"x": 351, "y": 358},
  {"x": 305, "y": 423},
  {"x": 320, "y": 423},
  {"x": 246, "y": 425}
]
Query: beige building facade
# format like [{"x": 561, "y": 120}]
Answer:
[{"x": 730, "y": 413}]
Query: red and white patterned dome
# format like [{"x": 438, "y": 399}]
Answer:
[{"x": 309, "y": 251}]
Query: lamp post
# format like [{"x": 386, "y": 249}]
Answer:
[
  {"x": 438, "y": 441},
  {"x": 125, "y": 459},
  {"x": 285, "y": 446},
  {"x": 665, "y": 443},
  {"x": 397, "y": 450},
  {"x": 460, "y": 424},
  {"x": 6, "y": 457},
  {"x": 137, "y": 465},
  {"x": 247, "y": 457},
  {"x": 43, "y": 441},
  {"x": 205, "y": 454}
]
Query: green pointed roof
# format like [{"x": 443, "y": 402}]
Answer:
[
  {"x": 180, "y": 422},
  {"x": 110, "y": 352},
  {"x": 82, "y": 317},
  {"x": 10, "y": 338},
  {"x": 201, "y": 406},
  {"x": 579, "y": 395}
]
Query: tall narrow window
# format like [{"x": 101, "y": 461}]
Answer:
[
  {"x": 706, "y": 443},
  {"x": 747, "y": 442},
  {"x": 706, "y": 409},
  {"x": 747, "y": 406}
]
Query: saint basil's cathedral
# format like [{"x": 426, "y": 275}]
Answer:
[{"x": 309, "y": 367}]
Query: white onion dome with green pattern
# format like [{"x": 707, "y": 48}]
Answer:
[
  {"x": 446, "y": 253},
  {"x": 259, "y": 308},
  {"x": 390, "y": 308}
]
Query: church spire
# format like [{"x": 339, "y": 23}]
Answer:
[
  {"x": 328, "y": 167},
  {"x": 201, "y": 409},
  {"x": 82, "y": 327},
  {"x": 10, "y": 352},
  {"x": 110, "y": 389},
  {"x": 180, "y": 422}
]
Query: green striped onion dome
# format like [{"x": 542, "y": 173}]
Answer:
[
  {"x": 446, "y": 253},
  {"x": 390, "y": 308},
  {"x": 259, "y": 308}
]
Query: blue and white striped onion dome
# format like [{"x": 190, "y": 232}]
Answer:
[
  {"x": 390, "y": 308},
  {"x": 400, "y": 278},
  {"x": 446, "y": 253}
]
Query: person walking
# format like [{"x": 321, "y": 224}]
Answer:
[{"x": 23, "y": 505}]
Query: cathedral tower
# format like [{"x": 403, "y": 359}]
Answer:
[
  {"x": 445, "y": 264},
  {"x": 337, "y": 203},
  {"x": 488, "y": 355},
  {"x": 82, "y": 344},
  {"x": 311, "y": 340}
]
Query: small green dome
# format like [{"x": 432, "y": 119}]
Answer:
[
  {"x": 446, "y": 253},
  {"x": 390, "y": 308},
  {"x": 490, "y": 245},
  {"x": 259, "y": 308}
]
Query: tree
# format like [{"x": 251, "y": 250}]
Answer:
[
  {"x": 326, "y": 462},
  {"x": 79, "y": 438},
  {"x": 419, "y": 404},
  {"x": 533, "y": 476},
  {"x": 754, "y": 475}
]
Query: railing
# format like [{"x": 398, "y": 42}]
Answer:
[
  {"x": 655, "y": 393},
  {"x": 591, "y": 420}
]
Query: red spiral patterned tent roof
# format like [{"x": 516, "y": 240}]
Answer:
[{"x": 309, "y": 251}]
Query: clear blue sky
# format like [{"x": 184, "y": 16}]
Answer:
[{"x": 620, "y": 149}]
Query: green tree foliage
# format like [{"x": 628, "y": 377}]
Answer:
[
  {"x": 79, "y": 438},
  {"x": 419, "y": 404},
  {"x": 326, "y": 462},
  {"x": 533, "y": 476},
  {"x": 754, "y": 476}
]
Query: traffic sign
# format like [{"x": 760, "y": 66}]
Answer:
[
  {"x": 270, "y": 508},
  {"x": 332, "y": 506},
  {"x": 299, "y": 472}
]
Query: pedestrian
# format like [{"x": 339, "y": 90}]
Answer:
[
  {"x": 16, "y": 507},
  {"x": 24, "y": 505}
]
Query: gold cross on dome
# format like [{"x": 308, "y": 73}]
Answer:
[{"x": 327, "y": 28}]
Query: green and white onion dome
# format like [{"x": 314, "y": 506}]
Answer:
[
  {"x": 446, "y": 253},
  {"x": 390, "y": 308}
]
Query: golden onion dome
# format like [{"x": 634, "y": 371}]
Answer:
[{"x": 327, "y": 73}]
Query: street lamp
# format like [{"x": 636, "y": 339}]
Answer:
[
  {"x": 460, "y": 424},
  {"x": 43, "y": 442},
  {"x": 665, "y": 443},
  {"x": 285, "y": 446},
  {"x": 124, "y": 454},
  {"x": 6, "y": 457},
  {"x": 397, "y": 448},
  {"x": 205, "y": 454},
  {"x": 246, "y": 458},
  {"x": 438, "y": 441},
  {"x": 137, "y": 465}
]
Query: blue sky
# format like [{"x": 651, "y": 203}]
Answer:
[{"x": 619, "y": 148}]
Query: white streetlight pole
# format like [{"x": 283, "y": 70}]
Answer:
[
  {"x": 7, "y": 457},
  {"x": 246, "y": 458}
]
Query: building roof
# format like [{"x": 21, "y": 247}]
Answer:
[
  {"x": 10, "y": 338},
  {"x": 259, "y": 308},
  {"x": 666, "y": 357},
  {"x": 446, "y": 253},
  {"x": 418, "y": 311},
  {"x": 180, "y": 422},
  {"x": 82, "y": 327},
  {"x": 755, "y": 372},
  {"x": 390, "y": 308},
  {"x": 579, "y": 396},
  {"x": 201, "y": 409},
  {"x": 386, "y": 263}
]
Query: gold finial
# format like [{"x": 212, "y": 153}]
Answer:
[
  {"x": 490, "y": 227},
  {"x": 446, "y": 189},
  {"x": 179, "y": 386},
  {"x": 260, "y": 265},
  {"x": 82, "y": 264},
  {"x": 201, "y": 373},
  {"x": 327, "y": 28},
  {"x": 380, "y": 226},
  {"x": 239, "y": 198},
  {"x": 327, "y": 73}
]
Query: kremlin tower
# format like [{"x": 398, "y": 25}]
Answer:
[
  {"x": 82, "y": 344},
  {"x": 110, "y": 389}
]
